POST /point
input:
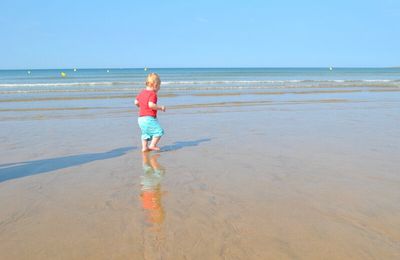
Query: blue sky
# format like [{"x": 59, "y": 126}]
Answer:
[{"x": 90, "y": 34}]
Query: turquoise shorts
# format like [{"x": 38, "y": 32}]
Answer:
[{"x": 150, "y": 127}]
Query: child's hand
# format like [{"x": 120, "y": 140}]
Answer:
[{"x": 163, "y": 108}]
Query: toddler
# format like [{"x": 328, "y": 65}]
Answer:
[{"x": 146, "y": 100}]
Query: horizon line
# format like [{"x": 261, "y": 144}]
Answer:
[{"x": 244, "y": 67}]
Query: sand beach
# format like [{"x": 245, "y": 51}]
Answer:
[{"x": 261, "y": 172}]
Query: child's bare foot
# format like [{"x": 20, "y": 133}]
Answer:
[
  {"x": 145, "y": 149},
  {"x": 154, "y": 148}
]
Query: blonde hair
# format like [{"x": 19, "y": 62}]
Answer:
[{"x": 153, "y": 77}]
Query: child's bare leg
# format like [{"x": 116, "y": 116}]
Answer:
[
  {"x": 144, "y": 145},
  {"x": 154, "y": 142}
]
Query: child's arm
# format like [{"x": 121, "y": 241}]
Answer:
[
  {"x": 137, "y": 103},
  {"x": 155, "y": 107}
]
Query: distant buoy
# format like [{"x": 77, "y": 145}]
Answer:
[
  {"x": 29, "y": 72},
  {"x": 330, "y": 68},
  {"x": 108, "y": 71},
  {"x": 63, "y": 74},
  {"x": 145, "y": 69},
  {"x": 74, "y": 69}
]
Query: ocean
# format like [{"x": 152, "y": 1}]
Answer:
[{"x": 94, "y": 89}]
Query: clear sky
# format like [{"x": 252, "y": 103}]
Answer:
[{"x": 207, "y": 33}]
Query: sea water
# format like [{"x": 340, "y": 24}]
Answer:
[
  {"x": 25, "y": 81},
  {"x": 91, "y": 89}
]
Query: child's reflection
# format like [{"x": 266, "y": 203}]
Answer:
[{"x": 151, "y": 192}]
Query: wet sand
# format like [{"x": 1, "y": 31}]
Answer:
[{"x": 294, "y": 179}]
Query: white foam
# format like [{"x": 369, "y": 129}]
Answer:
[
  {"x": 199, "y": 82},
  {"x": 68, "y": 84}
]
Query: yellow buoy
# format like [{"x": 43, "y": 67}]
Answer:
[{"x": 63, "y": 74}]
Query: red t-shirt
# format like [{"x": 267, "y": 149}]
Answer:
[{"x": 144, "y": 97}]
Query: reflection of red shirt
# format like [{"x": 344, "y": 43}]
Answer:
[
  {"x": 151, "y": 200},
  {"x": 144, "y": 97}
]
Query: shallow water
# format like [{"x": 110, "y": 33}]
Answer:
[{"x": 249, "y": 176}]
